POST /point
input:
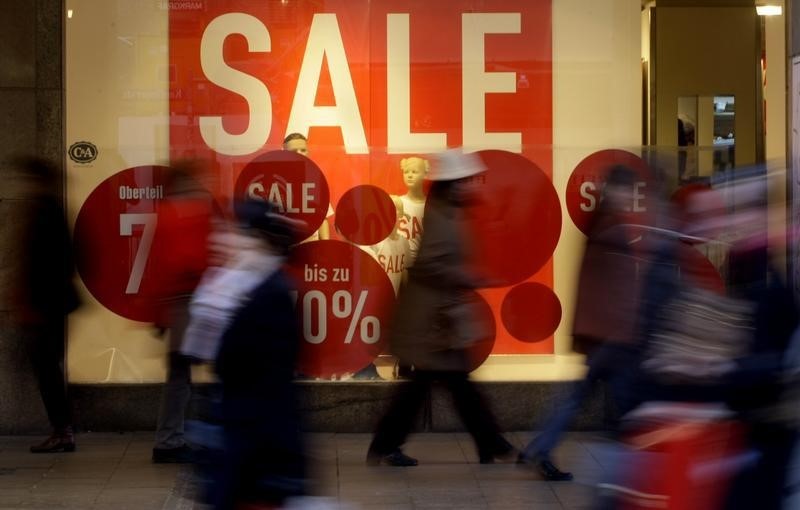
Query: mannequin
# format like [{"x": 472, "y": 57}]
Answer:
[
  {"x": 296, "y": 142},
  {"x": 410, "y": 226},
  {"x": 394, "y": 252}
]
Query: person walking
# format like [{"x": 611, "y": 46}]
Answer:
[
  {"x": 603, "y": 328},
  {"x": 245, "y": 313},
  {"x": 180, "y": 251},
  {"x": 436, "y": 321},
  {"x": 46, "y": 293}
]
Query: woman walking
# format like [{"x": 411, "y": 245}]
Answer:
[{"x": 436, "y": 321}]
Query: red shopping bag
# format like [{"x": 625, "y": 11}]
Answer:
[{"x": 683, "y": 459}]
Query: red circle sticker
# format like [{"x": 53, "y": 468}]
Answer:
[
  {"x": 292, "y": 182},
  {"x": 585, "y": 186},
  {"x": 344, "y": 300},
  {"x": 365, "y": 215},
  {"x": 516, "y": 223},
  {"x": 531, "y": 312},
  {"x": 114, "y": 235}
]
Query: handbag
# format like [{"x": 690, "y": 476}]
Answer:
[
  {"x": 678, "y": 456},
  {"x": 698, "y": 336}
]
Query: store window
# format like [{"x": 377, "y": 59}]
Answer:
[{"x": 548, "y": 94}]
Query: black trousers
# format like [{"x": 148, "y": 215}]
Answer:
[
  {"x": 47, "y": 358},
  {"x": 263, "y": 459},
  {"x": 394, "y": 427}
]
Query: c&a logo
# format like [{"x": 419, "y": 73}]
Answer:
[{"x": 82, "y": 152}]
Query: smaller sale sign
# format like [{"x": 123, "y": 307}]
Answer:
[
  {"x": 585, "y": 188},
  {"x": 293, "y": 183},
  {"x": 344, "y": 300},
  {"x": 122, "y": 214}
]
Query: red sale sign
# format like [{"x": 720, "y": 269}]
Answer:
[
  {"x": 123, "y": 212},
  {"x": 586, "y": 184},
  {"x": 292, "y": 182},
  {"x": 373, "y": 84},
  {"x": 342, "y": 298}
]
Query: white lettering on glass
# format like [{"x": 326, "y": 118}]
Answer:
[
  {"x": 325, "y": 41},
  {"x": 586, "y": 192},
  {"x": 638, "y": 197},
  {"x": 400, "y": 139},
  {"x": 126, "y": 223},
  {"x": 476, "y": 82},
  {"x": 251, "y": 88}
]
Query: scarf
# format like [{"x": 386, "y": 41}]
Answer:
[{"x": 222, "y": 292}]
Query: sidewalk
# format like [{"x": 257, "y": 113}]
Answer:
[{"x": 113, "y": 471}]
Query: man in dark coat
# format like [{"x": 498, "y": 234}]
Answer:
[
  {"x": 46, "y": 293},
  {"x": 605, "y": 312},
  {"x": 180, "y": 251}
]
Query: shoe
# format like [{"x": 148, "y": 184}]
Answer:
[
  {"x": 397, "y": 458},
  {"x": 505, "y": 451},
  {"x": 180, "y": 455},
  {"x": 60, "y": 441},
  {"x": 545, "y": 467},
  {"x": 368, "y": 373}
]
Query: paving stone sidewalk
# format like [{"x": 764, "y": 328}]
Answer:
[{"x": 113, "y": 471}]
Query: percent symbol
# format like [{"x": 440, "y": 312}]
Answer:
[{"x": 342, "y": 307}]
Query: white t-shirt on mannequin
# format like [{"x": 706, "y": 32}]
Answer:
[
  {"x": 393, "y": 256},
  {"x": 410, "y": 225}
]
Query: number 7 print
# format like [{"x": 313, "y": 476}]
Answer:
[{"x": 126, "y": 223}]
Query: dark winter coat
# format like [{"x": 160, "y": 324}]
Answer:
[{"x": 433, "y": 324}]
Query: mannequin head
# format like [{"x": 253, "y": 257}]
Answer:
[
  {"x": 295, "y": 142},
  {"x": 414, "y": 171}
]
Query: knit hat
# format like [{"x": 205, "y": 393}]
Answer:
[
  {"x": 264, "y": 218},
  {"x": 455, "y": 164}
]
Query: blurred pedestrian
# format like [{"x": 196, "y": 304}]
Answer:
[
  {"x": 247, "y": 312},
  {"x": 46, "y": 293},
  {"x": 681, "y": 443},
  {"x": 603, "y": 328},
  {"x": 759, "y": 379},
  {"x": 436, "y": 321},
  {"x": 712, "y": 362},
  {"x": 180, "y": 254}
]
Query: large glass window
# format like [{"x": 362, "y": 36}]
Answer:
[{"x": 549, "y": 94}]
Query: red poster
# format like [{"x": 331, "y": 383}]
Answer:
[{"x": 372, "y": 83}]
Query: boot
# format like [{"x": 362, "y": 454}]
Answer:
[
  {"x": 397, "y": 458},
  {"x": 62, "y": 440},
  {"x": 544, "y": 465}
]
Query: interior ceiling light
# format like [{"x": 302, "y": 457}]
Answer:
[{"x": 769, "y": 10}]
